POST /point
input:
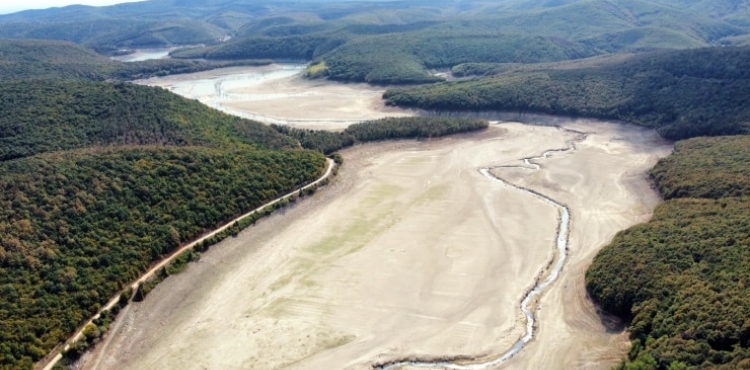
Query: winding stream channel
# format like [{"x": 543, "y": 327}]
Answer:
[{"x": 561, "y": 244}]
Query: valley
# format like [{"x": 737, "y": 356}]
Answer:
[
  {"x": 412, "y": 252},
  {"x": 520, "y": 184}
]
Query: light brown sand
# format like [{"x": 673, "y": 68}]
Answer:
[
  {"x": 410, "y": 252},
  {"x": 284, "y": 99},
  {"x": 314, "y": 102}
]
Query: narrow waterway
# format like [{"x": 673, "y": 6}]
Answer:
[{"x": 552, "y": 273}]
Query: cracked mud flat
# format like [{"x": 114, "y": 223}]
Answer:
[{"x": 412, "y": 252}]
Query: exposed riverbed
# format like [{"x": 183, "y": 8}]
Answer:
[{"x": 278, "y": 94}]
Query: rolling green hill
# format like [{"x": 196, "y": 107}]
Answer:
[
  {"x": 392, "y": 42},
  {"x": 51, "y": 115},
  {"x": 100, "y": 179},
  {"x": 403, "y": 45},
  {"x": 681, "y": 279},
  {"x": 24, "y": 59},
  {"x": 680, "y": 93},
  {"x": 405, "y": 58},
  {"x": 79, "y": 226},
  {"x": 382, "y": 129}
]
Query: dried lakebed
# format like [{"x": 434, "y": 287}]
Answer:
[
  {"x": 412, "y": 253},
  {"x": 561, "y": 245},
  {"x": 277, "y": 94}
]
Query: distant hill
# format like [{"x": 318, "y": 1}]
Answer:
[
  {"x": 50, "y": 115},
  {"x": 357, "y": 42},
  {"x": 83, "y": 224},
  {"x": 22, "y": 59},
  {"x": 680, "y": 93},
  {"x": 102, "y": 178}
]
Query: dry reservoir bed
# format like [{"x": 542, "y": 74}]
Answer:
[
  {"x": 278, "y": 94},
  {"x": 411, "y": 251}
]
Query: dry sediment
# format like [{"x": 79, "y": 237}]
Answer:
[{"x": 412, "y": 252}]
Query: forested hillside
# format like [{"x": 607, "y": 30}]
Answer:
[
  {"x": 100, "y": 179},
  {"x": 78, "y": 226},
  {"x": 382, "y": 129},
  {"x": 48, "y": 115},
  {"x": 680, "y": 93},
  {"x": 23, "y": 59},
  {"x": 401, "y": 47},
  {"x": 681, "y": 279},
  {"x": 391, "y": 42}
]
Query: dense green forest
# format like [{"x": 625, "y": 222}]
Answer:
[
  {"x": 395, "y": 42},
  {"x": 78, "y": 226},
  {"x": 705, "y": 168},
  {"x": 682, "y": 279},
  {"x": 47, "y": 115},
  {"x": 382, "y": 129},
  {"x": 403, "y": 45},
  {"x": 100, "y": 179},
  {"x": 23, "y": 59},
  {"x": 681, "y": 93}
]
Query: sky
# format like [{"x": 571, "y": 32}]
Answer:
[{"x": 12, "y": 6}]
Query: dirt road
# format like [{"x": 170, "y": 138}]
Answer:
[{"x": 56, "y": 356}]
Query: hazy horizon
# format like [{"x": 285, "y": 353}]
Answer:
[{"x": 6, "y": 8}]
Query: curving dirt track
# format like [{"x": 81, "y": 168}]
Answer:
[{"x": 411, "y": 252}]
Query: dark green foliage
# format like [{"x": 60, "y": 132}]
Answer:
[
  {"x": 383, "y": 129},
  {"x": 397, "y": 42},
  {"x": 682, "y": 93},
  {"x": 152, "y": 170},
  {"x": 413, "y": 127},
  {"x": 706, "y": 168},
  {"x": 478, "y": 69},
  {"x": 24, "y": 59},
  {"x": 163, "y": 67},
  {"x": 77, "y": 226},
  {"x": 323, "y": 141},
  {"x": 290, "y": 47},
  {"x": 180, "y": 263},
  {"x": 49, "y": 115},
  {"x": 110, "y": 34},
  {"x": 403, "y": 58},
  {"x": 400, "y": 58},
  {"x": 681, "y": 279},
  {"x": 390, "y": 42}
]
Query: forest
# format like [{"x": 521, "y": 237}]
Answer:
[
  {"x": 404, "y": 45},
  {"x": 77, "y": 226},
  {"x": 391, "y": 128},
  {"x": 24, "y": 59},
  {"x": 43, "y": 115},
  {"x": 680, "y": 93},
  {"x": 100, "y": 179},
  {"x": 680, "y": 280}
]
